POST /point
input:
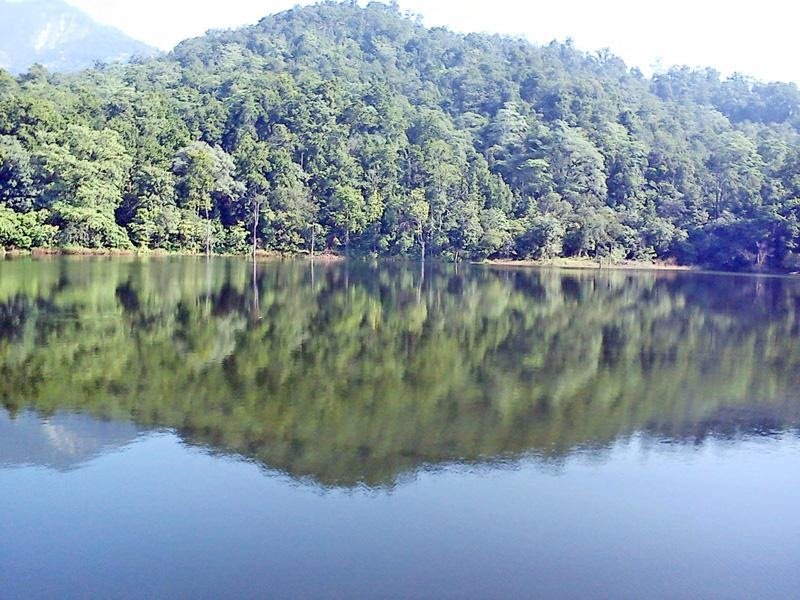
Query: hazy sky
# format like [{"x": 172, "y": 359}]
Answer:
[{"x": 757, "y": 38}]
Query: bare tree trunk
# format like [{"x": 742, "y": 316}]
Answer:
[
  {"x": 208, "y": 234},
  {"x": 761, "y": 254}
]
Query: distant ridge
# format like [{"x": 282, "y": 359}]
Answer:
[{"x": 60, "y": 37}]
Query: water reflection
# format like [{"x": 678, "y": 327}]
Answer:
[
  {"x": 355, "y": 373},
  {"x": 62, "y": 442}
]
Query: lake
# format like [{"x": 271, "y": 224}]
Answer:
[{"x": 183, "y": 428}]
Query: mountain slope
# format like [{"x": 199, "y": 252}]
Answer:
[
  {"x": 358, "y": 128},
  {"x": 58, "y": 36}
]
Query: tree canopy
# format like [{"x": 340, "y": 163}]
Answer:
[{"x": 357, "y": 128}]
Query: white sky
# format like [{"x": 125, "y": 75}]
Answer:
[{"x": 756, "y": 38}]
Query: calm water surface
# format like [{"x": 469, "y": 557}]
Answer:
[{"x": 179, "y": 428}]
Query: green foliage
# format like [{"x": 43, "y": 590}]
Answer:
[
  {"x": 16, "y": 174},
  {"x": 357, "y": 374},
  {"x": 87, "y": 227},
  {"x": 543, "y": 238},
  {"x": 25, "y": 230},
  {"x": 309, "y": 136}
]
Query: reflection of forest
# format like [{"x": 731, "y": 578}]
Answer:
[{"x": 357, "y": 373}]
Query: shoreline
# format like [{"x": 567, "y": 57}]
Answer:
[
  {"x": 585, "y": 264},
  {"x": 574, "y": 264},
  {"x": 261, "y": 255}
]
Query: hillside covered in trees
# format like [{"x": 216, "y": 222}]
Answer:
[{"x": 341, "y": 127}]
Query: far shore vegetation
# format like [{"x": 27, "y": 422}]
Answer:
[
  {"x": 569, "y": 263},
  {"x": 380, "y": 137}
]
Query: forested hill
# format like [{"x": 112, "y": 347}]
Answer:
[{"x": 345, "y": 127}]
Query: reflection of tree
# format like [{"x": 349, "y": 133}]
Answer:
[{"x": 360, "y": 377}]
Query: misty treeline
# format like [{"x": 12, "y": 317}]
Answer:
[{"x": 358, "y": 129}]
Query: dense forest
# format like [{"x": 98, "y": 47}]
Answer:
[
  {"x": 358, "y": 129},
  {"x": 462, "y": 364}
]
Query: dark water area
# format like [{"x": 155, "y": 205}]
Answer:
[{"x": 184, "y": 428}]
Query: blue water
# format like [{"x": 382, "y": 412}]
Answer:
[
  {"x": 181, "y": 428},
  {"x": 157, "y": 518}
]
